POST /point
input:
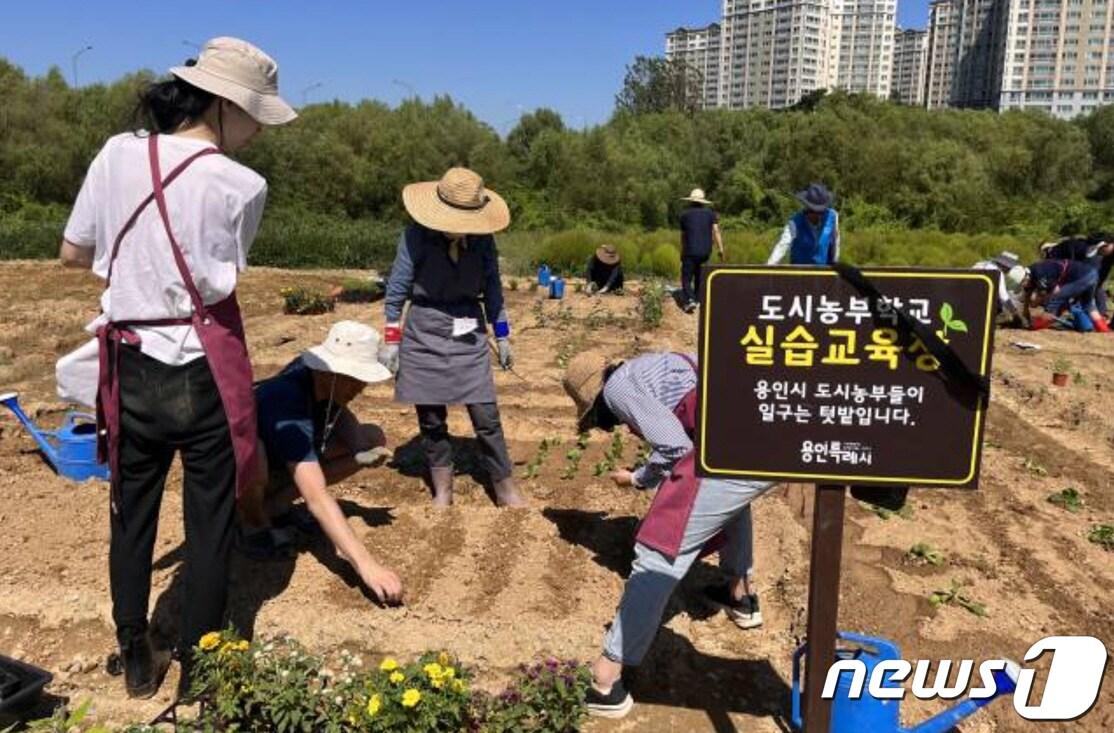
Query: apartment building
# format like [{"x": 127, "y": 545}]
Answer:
[
  {"x": 699, "y": 50},
  {"x": 910, "y": 66},
  {"x": 966, "y": 43},
  {"x": 1058, "y": 56},
  {"x": 865, "y": 45}
]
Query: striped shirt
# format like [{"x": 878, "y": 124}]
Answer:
[{"x": 642, "y": 393}]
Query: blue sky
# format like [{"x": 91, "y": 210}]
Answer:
[{"x": 498, "y": 57}]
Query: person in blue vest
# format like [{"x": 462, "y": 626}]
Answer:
[{"x": 811, "y": 237}]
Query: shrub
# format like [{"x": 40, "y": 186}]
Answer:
[
  {"x": 649, "y": 303},
  {"x": 305, "y": 302},
  {"x": 663, "y": 261}
]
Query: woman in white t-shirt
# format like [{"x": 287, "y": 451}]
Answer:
[{"x": 167, "y": 221}]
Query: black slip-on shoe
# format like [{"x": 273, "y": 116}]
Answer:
[
  {"x": 615, "y": 704},
  {"x": 144, "y": 667},
  {"x": 745, "y": 613}
]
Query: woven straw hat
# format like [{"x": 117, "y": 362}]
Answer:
[
  {"x": 351, "y": 349},
  {"x": 457, "y": 204},
  {"x": 697, "y": 196},
  {"x": 607, "y": 254},
  {"x": 584, "y": 382},
  {"x": 241, "y": 73}
]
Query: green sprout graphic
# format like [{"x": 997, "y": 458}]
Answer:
[{"x": 951, "y": 323}]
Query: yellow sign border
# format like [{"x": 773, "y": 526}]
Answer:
[{"x": 706, "y": 316}]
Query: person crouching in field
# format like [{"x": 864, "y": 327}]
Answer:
[
  {"x": 447, "y": 268},
  {"x": 654, "y": 395},
  {"x": 310, "y": 439},
  {"x": 604, "y": 273},
  {"x": 1058, "y": 285},
  {"x": 166, "y": 218}
]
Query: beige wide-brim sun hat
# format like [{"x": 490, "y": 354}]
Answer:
[
  {"x": 351, "y": 349},
  {"x": 457, "y": 204},
  {"x": 607, "y": 254},
  {"x": 697, "y": 196},
  {"x": 241, "y": 73},
  {"x": 584, "y": 382}
]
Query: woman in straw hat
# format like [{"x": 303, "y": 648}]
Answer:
[
  {"x": 654, "y": 395},
  {"x": 605, "y": 271},
  {"x": 167, "y": 220},
  {"x": 447, "y": 267},
  {"x": 308, "y": 439},
  {"x": 699, "y": 230}
]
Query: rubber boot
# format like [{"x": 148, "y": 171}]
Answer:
[
  {"x": 144, "y": 667},
  {"x": 442, "y": 479},
  {"x": 506, "y": 494}
]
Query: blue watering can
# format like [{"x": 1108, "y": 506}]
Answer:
[
  {"x": 71, "y": 449},
  {"x": 544, "y": 276},
  {"x": 884, "y": 716},
  {"x": 557, "y": 288}
]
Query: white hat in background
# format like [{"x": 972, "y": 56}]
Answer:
[{"x": 241, "y": 73}]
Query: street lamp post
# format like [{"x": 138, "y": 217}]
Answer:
[
  {"x": 310, "y": 88},
  {"x": 405, "y": 85},
  {"x": 73, "y": 61},
  {"x": 195, "y": 46}
]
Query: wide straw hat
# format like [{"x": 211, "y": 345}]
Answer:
[
  {"x": 241, "y": 73},
  {"x": 697, "y": 197},
  {"x": 607, "y": 254},
  {"x": 351, "y": 349},
  {"x": 457, "y": 204},
  {"x": 816, "y": 197},
  {"x": 584, "y": 382}
]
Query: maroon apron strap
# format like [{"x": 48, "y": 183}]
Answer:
[
  {"x": 160, "y": 200},
  {"x": 177, "y": 171}
]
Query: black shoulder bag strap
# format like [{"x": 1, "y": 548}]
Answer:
[{"x": 950, "y": 364}]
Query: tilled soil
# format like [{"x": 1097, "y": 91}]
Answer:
[{"x": 502, "y": 587}]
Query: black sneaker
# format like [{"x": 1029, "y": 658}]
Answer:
[
  {"x": 615, "y": 704},
  {"x": 744, "y": 613}
]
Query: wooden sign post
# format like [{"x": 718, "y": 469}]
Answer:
[{"x": 839, "y": 378}]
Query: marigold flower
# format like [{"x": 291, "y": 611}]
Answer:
[
  {"x": 458, "y": 685},
  {"x": 450, "y": 673},
  {"x": 433, "y": 670},
  {"x": 388, "y": 665},
  {"x": 396, "y": 677},
  {"x": 374, "y": 704},
  {"x": 411, "y": 698},
  {"x": 444, "y": 659},
  {"x": 210, "y": 640}
]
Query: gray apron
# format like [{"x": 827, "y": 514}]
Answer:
[{"x": 436, "y": 368}]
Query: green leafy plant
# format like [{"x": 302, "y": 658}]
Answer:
[
  {"x": 1069, "y": 499},
  {"x": 951, "y": 323},
  {"x": 923, "y": 553},
  {"x": 1102, "y": 535},
  {"x": 548, "y": 697},
  {"x": 573, "y": 456},
  {"x": 1061, "y": 365},
  {"x": 535, "y": 464},
  {"x": 905, "y": 512},
  {"x": 650, "y": 298},
  {"x": 301, "y": 301},
  {"x": 64, "y": 721},
  {"x": 512, "y": 284},
  {"x": 356, "y": 290},
  {"x": 599, "y": 317},
  {"x": 611, "y": 456},
  {"x": 955, "y": 595}
]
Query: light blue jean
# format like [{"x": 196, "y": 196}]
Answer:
[{"x": 720, "y": 505}]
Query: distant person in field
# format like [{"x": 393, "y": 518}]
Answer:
[
  {"x": 310, "y": 439},
  {"x": 811, "y": 237},
  {"x": 699, "y": 231},
  {"x": 1012, "y": 272},
  {"x": 1057, "y": 286},
  {"x": 605, "y": 271},
  {"x": 1096, "y": 250},
  {"x": 447, "y": 268},
  {"x": 167, "y": 218},
  {"x": 654, "y": 395}
]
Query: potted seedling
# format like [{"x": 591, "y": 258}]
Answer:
[{"x": 1061, "y": 369}]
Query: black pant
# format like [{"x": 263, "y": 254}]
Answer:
[
  {"x": 489, "y": 432},
  {"x": 691, "y": 280},
  {"x": 164, "y": 409}
]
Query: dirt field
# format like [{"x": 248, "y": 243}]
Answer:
[{"x": 502, "y": 587}]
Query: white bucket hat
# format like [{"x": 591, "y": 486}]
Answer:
[
  {"x": 697, "y": 196},
  {"x": 351, "y": 349},
  {"x": 241, "y": 73}
]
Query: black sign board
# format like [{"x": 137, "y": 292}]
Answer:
[{"x": 808, "y": 376}]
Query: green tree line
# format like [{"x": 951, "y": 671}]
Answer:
[{"x": 335, "y": 174}]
